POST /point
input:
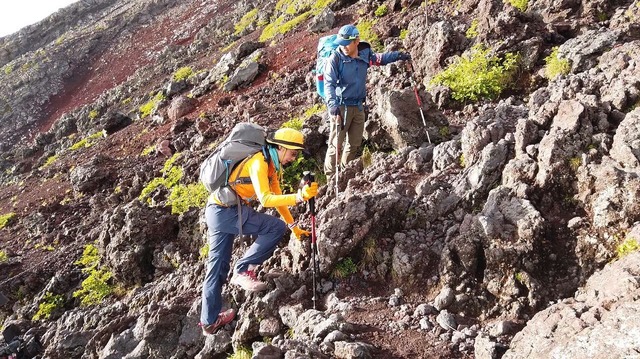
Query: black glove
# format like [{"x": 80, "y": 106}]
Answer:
[
  {"x": 404, "y": 56},
  {"x": 334, "y": 111}
]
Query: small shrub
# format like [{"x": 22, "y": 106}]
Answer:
[
  {"x": 369, "y": 250},
  {"x": 629, "y": 246},
  {"x": 574, "y": 163},
  {"x": 476, "y": 75},
  {"x": 182, "y": 74},
  {"x": 472, "y": 31},
  {"x": 95, "y": 288},
  {"x": 90, "y": 258},
  {"x": 182, "y": 197},
  {"x": 50, "y": 160},
  {"x": 461, "y": 161},
  {"x": 6, "y": 219},
  {"x": 246, "y": 21},
  {"x": 3, "y": 257},
  {"x": 93, "y": 114},
  {"x": 518, "y": 4},
  {"x": 366, "y": 157},
  {"x": 555, "y": 66},
  {"x": 8, "y": 69},
  {"x": 242, "y": 353},
  {"x": 295, "y": 123},
  {"x": 381, "y": 11},
  {"x": 88, "y": 141},
  {"x": 367, "y": 34},
  {"x": 292, "y": 174},
  {"x": 48, "y": 305},
  {"x": 204, "y": 252},
  {"x": 344, "y": 268},
  {"x": 151, "y": 105},
  {"x": 403, "y": 34},
  {"x": 148, "y": 150}
]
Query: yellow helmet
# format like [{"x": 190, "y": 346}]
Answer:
[{"x": 287, "y": 138}]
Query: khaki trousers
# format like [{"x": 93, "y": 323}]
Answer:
[{"x": 353, "y": 130}]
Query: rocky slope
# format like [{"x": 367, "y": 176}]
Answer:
[{"x": 501, "y": 238}]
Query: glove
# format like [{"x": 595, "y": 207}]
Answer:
[
  {"x": 308, "y": 191},
  {"x": 404, "y": 56},
  {"x": 299, "y": 233},
  {"x": 334, "y": 111}
]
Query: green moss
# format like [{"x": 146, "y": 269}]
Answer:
[
  {"x": 246, "y": 21},
  {"x": 3, "y": 257},
  {"x": 365, "y": 27},
  {"x": 289, "y": 14},
  {"x": 6, "y": 219},
  {"x": 381, "y": 11},
  {"x": 472, "y": 31},
  {"x": 629, "y": 246},
  {"x": 403, "y": 34},
  {"x": 151, "y": 105},
  {"x": 555, "y": 66},
  {"x": 148, "y": 150},
  {"x": 344, "y": 268},
  {"x": 8, "y": 69},
  {"x": 295, "y": 123},
  {"x": 182, "y": 74},
  {"x": 95, "y": 288},
  {"x": 518, "y": 4},
  {"x": 48, "y": 305},
  {"x": 93, "y": 114},
  {"x": 477, "y": 75},
  {"x": 50, "y": 160}
]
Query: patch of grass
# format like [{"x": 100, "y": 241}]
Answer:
[
  {"x": 381, "y": 11},
  {"x": 49, "y": 161},
  {"x": 477, "y": 75},
  {"x": 444, "y": 131},
  {"x": 627, "y": 247},
  {"x": 246, "y": 21},
  {"x": 182, "y": 74},
  {"x": 369, "y": 250},
  {"x": 295, "y": 123},
  {"x": 89, "y": 140},
  {"x": 472, "y": 31},
  {"x": 8, "y": 69},
  {"x": 3, "y": 257},
  {"x": 344, "y": 268},
  {"x": 48, "y": 305},
  {"x": 555, "y": 66},
  {"x": 461, "y": 161},
  {"x": 93, "y": 114},
  {"x": 7, "y": 219},
  {"x": 403, "y": 34},
  {"x": 518, "y": 4},
  {"x": 151, "y": 105}
]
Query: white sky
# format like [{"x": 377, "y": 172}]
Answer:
[{"x": 16, "y": 14}]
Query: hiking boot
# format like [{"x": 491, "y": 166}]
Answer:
[
  {"x": 248, "y": 281},
  {"x": 224, "y": 318}
]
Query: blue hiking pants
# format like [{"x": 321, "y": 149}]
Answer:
[{"x": 222, "y": 227}]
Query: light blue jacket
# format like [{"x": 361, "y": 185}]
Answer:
[{"x": 345, "y": 77}]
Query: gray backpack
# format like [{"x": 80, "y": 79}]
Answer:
[{"x": 245, "y": 140}]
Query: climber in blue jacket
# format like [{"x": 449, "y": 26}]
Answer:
[{"x": 345, "y": 76}]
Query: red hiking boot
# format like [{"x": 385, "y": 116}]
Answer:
[
  {"x": 248, "y": 281},
  {"x": 224, "y": 318}
]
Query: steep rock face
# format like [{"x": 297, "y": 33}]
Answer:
[{"x": 602, "y": 320}]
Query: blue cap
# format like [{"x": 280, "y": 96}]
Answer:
[{"x": 347, "y": 34}]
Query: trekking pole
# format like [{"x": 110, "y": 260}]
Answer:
[
  {"x": 415, "y": 91},
  {"x": 307, "y": 178}
]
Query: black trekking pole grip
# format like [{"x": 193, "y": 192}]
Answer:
[{"x": 307, "y": 178}]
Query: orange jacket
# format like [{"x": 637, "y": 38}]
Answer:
[{"x": 264, "y": 186}]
